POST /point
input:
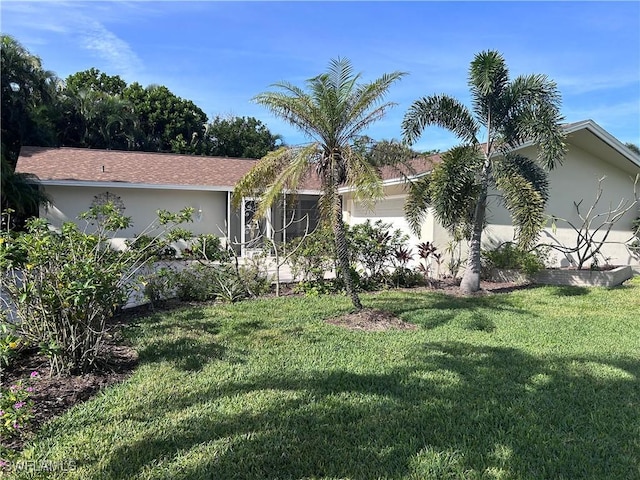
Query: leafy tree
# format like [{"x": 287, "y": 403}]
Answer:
[
  {"x": 94, "y": 79},
  {"x": 164, "y": 117},
  {"x": 240, "y": 137},
  {"x": 332, "y": 112},
  {"x": 97, "y": 119},
  {"x": 25, "y": 87},
  {"x": 27, "y": 96},
  {"x": 509, "y": 113}
]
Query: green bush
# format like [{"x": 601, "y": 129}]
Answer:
[
  {"x": 510, "y": 256},
  {"x": 634, "y": 245},
  {"x": 405, "y": 277},
  {"x": 209, "y": 247},
  {"x": 200, "y": 282},
  {"x": 374, "y": 248},
  {"x": 9, "y": 343},
  {"x": 312, "y": 255},
  {"x": 65, "y": 284}
]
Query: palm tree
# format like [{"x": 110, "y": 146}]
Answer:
[
  {"x": 333, "y": 112},
  {"x": 509, "y": 113},
  {"x": 24, "y": 87}
]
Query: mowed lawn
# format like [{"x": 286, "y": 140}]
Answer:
[{"x": 540, "y": 383}]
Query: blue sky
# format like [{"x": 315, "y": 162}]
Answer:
[{"x": 221, "y": 54}]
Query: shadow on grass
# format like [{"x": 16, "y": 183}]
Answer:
[
  {"x": 457, "y": 411},
  {"x": 569, "y": 291},
  {"x": 437, "y": 309}
]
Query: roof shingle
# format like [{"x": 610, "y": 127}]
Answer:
[{"x": 162, "y": 169}]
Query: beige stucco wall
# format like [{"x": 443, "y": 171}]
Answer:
[
  {"x": 141, "y": 205},
  {"x": 576, "y": 180},
  {"x": 390, "y": 210}
]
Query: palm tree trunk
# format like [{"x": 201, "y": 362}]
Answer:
[
  {"x": 342, "y": 254},
  {"x": 471, "y": 279}
]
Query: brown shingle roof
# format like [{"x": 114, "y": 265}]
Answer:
[{"x": 89, "y": 165}]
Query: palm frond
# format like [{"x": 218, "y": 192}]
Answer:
[
  {"x": 281, "y": 169},
  {"x": 416, "y": 207},
  {"x": 534, "y": 115},
  {"x": 451, "y": 190},
  {"x": 525, "y": 189},
  {"x": 364, "y": 177},
  {"x": 443, "y": 111},
  {"x": 455, "y": 188},
  {"x": 488, "y": 78}
]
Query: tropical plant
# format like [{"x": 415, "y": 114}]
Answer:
[
  {"x": 25, "y": 86},
  {"x": 27, "y": 94},
  {"x": 333, "y": 112},
  {"x": 375, "y": 246},
  {"x": 64, "y": 285},
  {"x": 508, "y": 113}
]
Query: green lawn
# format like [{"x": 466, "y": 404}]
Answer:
[{"x": 534, "y": 384}]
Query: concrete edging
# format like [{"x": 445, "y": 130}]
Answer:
[{"x": 579, "y": 278}]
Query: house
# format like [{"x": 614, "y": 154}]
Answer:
[
  {"x": 592, "y": 154},
  {"x": 141, "y": 183}
]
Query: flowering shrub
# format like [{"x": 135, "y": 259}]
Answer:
[
  {"x": 65, "y": 284},
  {"x": 9, "y": 343},
  {"x": 16, "y": 408}
]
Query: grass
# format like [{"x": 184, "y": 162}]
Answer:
[{"x": 534, "y": 384}]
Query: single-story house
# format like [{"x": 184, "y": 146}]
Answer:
[
  {"x": 141, "y": 183},
  {"x": 592, "y": 154}
]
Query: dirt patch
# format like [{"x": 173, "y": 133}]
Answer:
[
  {"x": 371, "y": 320},
  {"x": 53, "y": 396}
]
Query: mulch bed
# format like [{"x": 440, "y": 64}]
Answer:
[{"x": 54, "y": 395}]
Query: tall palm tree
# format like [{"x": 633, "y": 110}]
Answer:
[
  {"x": 507, "y": 113},
  {"x": 333, "y": 112}
]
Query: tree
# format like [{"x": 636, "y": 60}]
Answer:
[
  {"x": 25, "y": 87},
  {"x": 164, "y": 119},
  {"x": 508, "y": 113},
  {"x": 333, "y": 111},
  {"x": 27, "y": 96},
  {"x": 240, "y": 137},
  {"x": 94, "y": 79}
]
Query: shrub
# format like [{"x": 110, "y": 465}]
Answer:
[
  {"x": 9, "y": 343},
  {"x": 65, "y": 284},
  {"x": 510, "y": 256},
  {"x": 209, "y": 247},
  {"x": 314, "y": 257},
  {"x": 374, "y": 247},
  {"x": 225, "y": 282},
  {"x": 405, "y": 277},
  {"x": 634, "y": 245}
]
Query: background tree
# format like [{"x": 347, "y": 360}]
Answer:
[
  {"x": 332, "y": 112},
  {"x": 26, "y": 88},
  {"x": 509, "y": 113},
  {"x": 240, "y": 137},
  {"x": 27, "y": 95},
  {"x": 94, "y": 79},
  {"x": 164, "y": 117}
]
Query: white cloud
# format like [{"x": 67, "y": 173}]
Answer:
[
  {"x": 118, "y": 53},
  {"x": 78, "y": 23}
]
